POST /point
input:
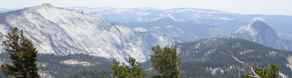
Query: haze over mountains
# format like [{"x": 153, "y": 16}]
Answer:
[
  {"x": 185, "y": 31},
  {"x": 230, "y": 21}
]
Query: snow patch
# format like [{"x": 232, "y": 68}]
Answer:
[
  {"x": 261, "y": 19},
  {"x": 43, "y": 64},
  {"x": 168, "y": 15},
  {"x": 272, "y": 53},
  {"x": 246, "y": 51},
  {"x": 209, "y": 52},
  {"x": 149, "y": 69},
  {"x": 214, "y": 70},
  {"x": 76, "y": 62},
  {"x": 289, "y": 62},
  {"x": 145, "y": 14},
  {"x": 45, "y": 74},
  {"x": 168, "y": 26},
  {"x": 157, "y": 27},
  {"x": 248, "y": 30},
  {"x": 139, "y": 29},
  {"x": 281, "y": 75},
  {"x": 180, "y": 30},
  {"x": 146, "y": 8},
  {"x": 226, "y": 18},
  {"x": 196, "y": 21},
  {"x": 139, "y": 19}
]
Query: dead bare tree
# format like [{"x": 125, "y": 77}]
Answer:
[{"x": 255, "y": 75}]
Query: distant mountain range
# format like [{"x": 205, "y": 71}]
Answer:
[
  {"x": 184, "y": 31},
  {"x": 2, "y": 10},
  {"x": 62, "y": 31},
  {"x": 257, "y": 31},
  {"x": 230, "y": 21}
]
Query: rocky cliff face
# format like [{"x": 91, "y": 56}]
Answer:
[
  {"x": 262, "y": 33},
  {"x": 259, "y": 32},
  {"x": 62, "y": 31}
]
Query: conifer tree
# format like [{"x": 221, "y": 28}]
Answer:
[
  {"x": 23, "y": 56},
  {"x": 165, "y": 61},
  {"x": 123, "y": 71},
  {"x": 274, "y": 71}
]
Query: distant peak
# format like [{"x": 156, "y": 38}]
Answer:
[
  {"x": 43, "y": 6},
  {"x": 256, "y": 26},
  {"x": 195, "y": 21},
  {"x": 258, "y": 23},
  {"x": 259, "y": 32},
  {"x": 166, "y": 17},
  {"x": 145, "y": 8},
  {"x": 47, "y": 5}
]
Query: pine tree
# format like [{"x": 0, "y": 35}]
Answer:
[
  {"x": 274, "y": 71},
  {"x": 135, "y": 69},
  {"x": 165, "y": 61},
  {"x": 23, "y": 56},
  {"x": 120, "y": 71}
]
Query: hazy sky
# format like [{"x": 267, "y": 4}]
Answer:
[{"x": 267, "y": 7}]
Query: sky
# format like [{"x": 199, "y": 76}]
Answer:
[{"x": 265, "y": 7}]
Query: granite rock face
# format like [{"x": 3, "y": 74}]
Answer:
[
  {"x": 61, "y": 31},
  {"x": 262, "y": 33}
]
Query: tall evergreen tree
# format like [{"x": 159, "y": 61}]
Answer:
[
  {"x": 135, "y": 69},
  {"x": 274, "y": 71},
  {"x": 23, "y": 56},
  {"x": 120, "y": 71},
  {"x": 165, "y": 61}
]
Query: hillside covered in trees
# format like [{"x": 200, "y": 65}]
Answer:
[
  {"x": 62, "y": 66},
  {"x": 209, "y": 62}
]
